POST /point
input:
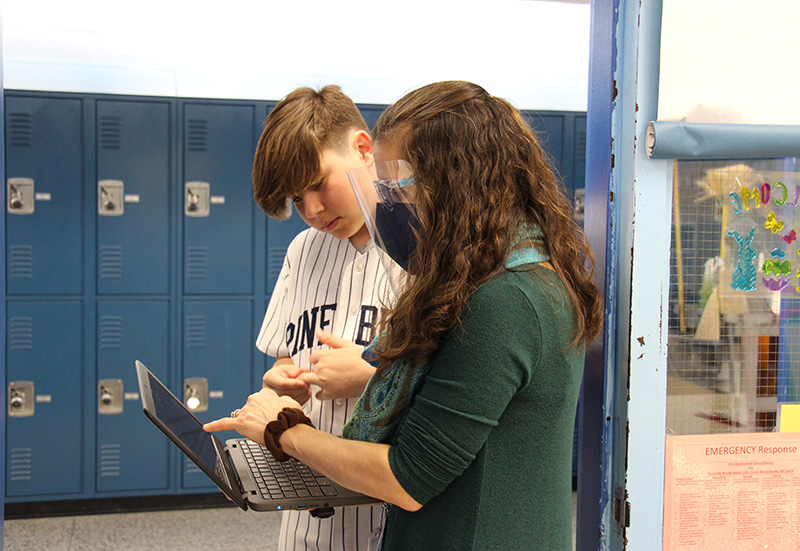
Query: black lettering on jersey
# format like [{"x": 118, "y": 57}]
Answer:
[
  {"x": 290, "y": 337},
  {"x": 306, "y": 336},
  {"x": 301, "y": 335},
  {"x": 323, "y": 317},
  {"x": 367, "y": 325}
]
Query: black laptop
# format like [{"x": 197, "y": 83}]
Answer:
[{"x": 245, "y": 471}]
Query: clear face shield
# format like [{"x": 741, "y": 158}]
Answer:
[{"x": 386, "y": 193}]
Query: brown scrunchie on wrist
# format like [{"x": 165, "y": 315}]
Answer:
[{"x": 287, "y": 418}]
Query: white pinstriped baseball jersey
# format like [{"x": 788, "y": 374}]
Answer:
[{"x": 327, "y": 284}]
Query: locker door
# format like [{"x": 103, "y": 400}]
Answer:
[
  {"x": 217, "y": 345},
  {"x": 371, "y": 113},
  {"x": 44, "y": 400},
  {"x": 133, "y": 171},
  {"x": 218, "y": 207},
  {"x": 131, "y": 452},
  {"x": 550, "y": 131},
  {"x": 44, "y": 203},
  {"x": 279, "y": 234}
]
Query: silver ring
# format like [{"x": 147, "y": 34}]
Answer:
[{"x": 235, "y": 412}]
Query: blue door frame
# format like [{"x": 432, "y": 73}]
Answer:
[
  {"x": 594, "y": 415},
  {"x": 620, "y": 488}
]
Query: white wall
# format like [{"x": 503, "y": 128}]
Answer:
[
  {"x": 730, "y": 61},
  {"x": 534, "y": 53}
]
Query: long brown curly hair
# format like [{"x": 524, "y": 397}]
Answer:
[{"x": 481, "y": 175}]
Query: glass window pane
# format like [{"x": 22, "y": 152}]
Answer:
[{"x": 734, "y": 316}]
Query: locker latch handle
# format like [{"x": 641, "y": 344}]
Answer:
[
  {"x": 16, "y": 197},
  {"x": 195, "y": 393},
  {"x": 198, "y": 199},
  {"x": 192, "y": 199},
  {"x": 109, "y": 396},
  {"x": 107, "y": 199},
  {"x": 20, "y": 399},
  {"x": 20, "y": 196},
  {"x": 110, "y": 197}
]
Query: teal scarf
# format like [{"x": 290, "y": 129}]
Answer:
[{"x": 388, "y": 395}]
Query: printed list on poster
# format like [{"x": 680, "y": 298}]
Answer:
[{"x": 732, "y": 492}]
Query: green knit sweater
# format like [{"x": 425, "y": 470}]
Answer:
[{"x": 486, "y": 446}]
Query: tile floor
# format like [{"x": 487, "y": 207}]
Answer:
[
  {"x": 196, "y": 530},
  {"x": 208, "y": 529}
]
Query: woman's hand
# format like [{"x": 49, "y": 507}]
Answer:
[
  {"x": 361, "y": 466},
  {"x": 252, "y": 418}
]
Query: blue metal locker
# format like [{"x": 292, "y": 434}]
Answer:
[
  {"x": 218, "y": 208},
  {"x": 563, "y": 136},
  {"x": 279, "y": 234},
  {"x": 131, "y": 455},
  {"x": 44, "y": 420},
  {"x": 550, "y": 131},
  {"x": 217, "y": 345},
  {"x": 371, "y": 112},
  {"x": 133, "y": 172},
  {"x": 44, "y": 198},
  {"x": 2, "y": 310}
]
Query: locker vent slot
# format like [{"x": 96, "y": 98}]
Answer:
[
  {"x": 110, "y": 133},
  {"x": 20, "y": 333},
  {"x": 20, "y": 130},
  {"x": 275, "y": 261},
  {"x": 20, "y": 262},
  {"x": 191, "y": 468},
  {"x": 197, "y": 135},
  {"x": 111, "y": 332},
  {"x": 20, "y": 464},
  {"x": 580, "y": 144},
  {"x": 111, "y": 262},
  {"x": 196, "y": 331},
  {"x": 196, "y": 263},
  {"x": 109, "y": 460}
]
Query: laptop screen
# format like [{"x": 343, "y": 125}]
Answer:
[
  {"x": 183, "y": 424},
  {"x": 186, "y": 431}
]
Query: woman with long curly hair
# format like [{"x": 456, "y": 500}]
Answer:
[{"x": 465, "y": 429}]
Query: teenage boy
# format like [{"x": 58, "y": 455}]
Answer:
[{"x": 325, "y": 305}]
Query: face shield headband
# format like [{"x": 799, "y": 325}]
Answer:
[{"x": 386, "y": 194}]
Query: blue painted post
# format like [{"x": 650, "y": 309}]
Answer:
[
  {"x": 595, "y": 419},
  {"x": 627, "y": 220}
]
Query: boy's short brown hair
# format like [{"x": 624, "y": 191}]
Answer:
[{"x": 296, "y": 132}]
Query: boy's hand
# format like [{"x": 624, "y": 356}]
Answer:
[
  {"x": 339, "y": 371},
  {"x": 283, "y": 378}
]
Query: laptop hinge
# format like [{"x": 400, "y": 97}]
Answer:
[{"x": 237, "y": 477}]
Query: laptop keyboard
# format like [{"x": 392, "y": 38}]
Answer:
[{"x": 288, "y": 479}]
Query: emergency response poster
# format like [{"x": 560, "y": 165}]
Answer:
[{"x": 732, "y": 492}]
